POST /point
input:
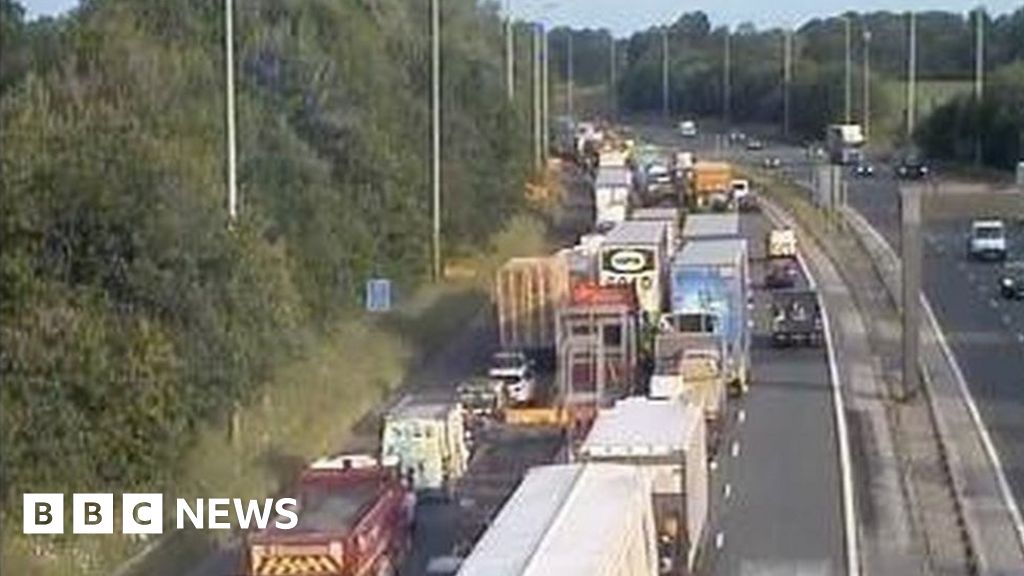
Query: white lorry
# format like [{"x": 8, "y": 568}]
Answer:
[
  {"x": 635, "y": 252},
  {"x": 665, "y": 437},
  {"x": 612, "y": 189},
  {"x": 571, "y": 520}
]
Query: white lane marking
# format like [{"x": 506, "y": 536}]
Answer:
[
  {"x": 852, "y": 547},
  {"x": 1020, "y": 338},
  {"x": 735, "y": 450},
  {"x": 713, "y": 465},
  {"x": 728, "y": 491},
  {"x": 719, "y": 540},
  {"x": 993, "y": 303},
  {"x": 1009, "y": 500},
  {"x": 741, "y": 416},
  {"x": 1006, "y": 319}
]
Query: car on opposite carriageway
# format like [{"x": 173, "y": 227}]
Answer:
[{"x": 1011, "y": 281}]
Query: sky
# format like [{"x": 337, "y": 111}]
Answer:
[{"x": 626, "y": 16}]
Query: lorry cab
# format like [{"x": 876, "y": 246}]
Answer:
[
  {"x": 987, "y": 240},
  {"x": 740, "y": 193},
  {"x": 429, "y": 441}
]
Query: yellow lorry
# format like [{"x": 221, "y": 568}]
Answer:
[{"x": 709, "y": 186}]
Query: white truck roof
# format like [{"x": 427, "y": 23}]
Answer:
[
  {"x": 657, "y": 214},
  {"x": 636, "y": 232},
  {"x": 613, "y": 176},
  {"x": 724, "y": 252},
  {"x": 849, "y": 133},
  {"x": 643, "y": 426},
  {"x": 570, "y": 520},
  {"x": 711, "y": 225},
  {"x": 420, "y": 408}
]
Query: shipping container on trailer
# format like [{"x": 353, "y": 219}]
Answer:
[
  {"x": 592, "y": 519},
  {"x": 665, "y": 437},
  {"x": 709, "y": 293}
]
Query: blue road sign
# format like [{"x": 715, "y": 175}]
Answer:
[{"x": 378, "y": 295}]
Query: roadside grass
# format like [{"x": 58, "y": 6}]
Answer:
[{"x": 309, "y": 408}]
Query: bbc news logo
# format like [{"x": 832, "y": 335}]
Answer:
[{"x": 143, "y": 513}]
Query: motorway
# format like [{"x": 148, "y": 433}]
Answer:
[
  {"x": 779, "y": 459},
  {"x": 777, "y": 505},
  {"x": 776, "y": 485},
  {"x": 985, "y": 332}
]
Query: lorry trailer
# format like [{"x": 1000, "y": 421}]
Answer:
[
  {"x": 612, "y": 190},
  {"x": 571, "y": 520},
  {"x": 665, "y": 437},
  {"x": 711, "y": 226},
  {"x": 634, "y": 253},
  {"x": 709, "y": 294}
]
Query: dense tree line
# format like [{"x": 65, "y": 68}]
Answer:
[
  {"x": 697, "y": 48},
  {"x": 992, "y": 130},
  {"x": 131, "y": 313}
]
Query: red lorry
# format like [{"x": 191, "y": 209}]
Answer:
[{"x": 355, "y": 518}]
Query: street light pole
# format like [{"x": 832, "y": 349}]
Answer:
[
  {"x": 867, "y": 82},
  {"x": 912, "y": 77},
  {"x": 545, "y": 115},
  {"x": 664, "y": 72},
  {"x": 787, "y": 77},
  {"x": 510, "y": 79},
  {"x": 229, "y": 65},
  {"x": 568, "y": 66},
  {"x": 848, "y": 98},
  {"x": 612, "y": 95},
  {"x": 538, "y": 32},
  {"x": 979, "y": 77},
  {"x": 727, "y": 79},
  {"x": 435, "y": 125}
]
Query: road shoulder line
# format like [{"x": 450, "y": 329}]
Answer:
[{"x": 851, "y": 532}]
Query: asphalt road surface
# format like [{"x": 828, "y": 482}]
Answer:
[
  {"x": 985, "y": 331},
  {"x": 777, "y": 495}
]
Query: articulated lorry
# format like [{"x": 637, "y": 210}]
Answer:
[
  {"x": 613, "y": 187},
  {"x": 354, "y": 518},
  {"x": 591, "y": 519},
  {"x": 527, "y": 295},
  {"x": 709, "y": 186},
  {"x": 845, "y": 143},
  {"x": 665, "y": 438},
  {"x": 709, "y": 293}
]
